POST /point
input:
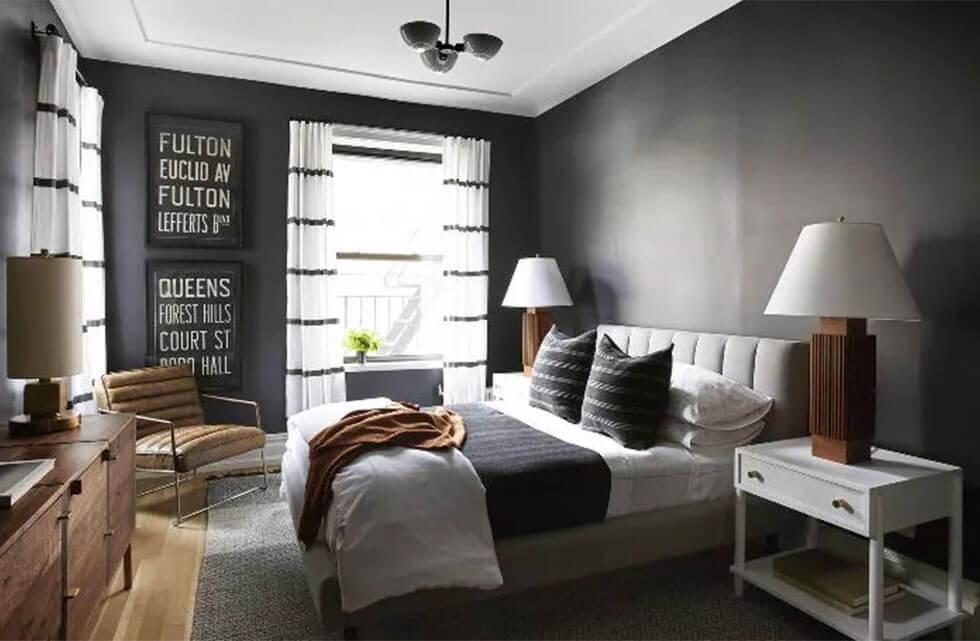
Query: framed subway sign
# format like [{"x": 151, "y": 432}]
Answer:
[
  {"x": 193, "y": 317},
  {"x": 195, "y": 182}
]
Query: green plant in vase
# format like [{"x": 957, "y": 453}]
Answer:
[{"x": 362, "y": 342}]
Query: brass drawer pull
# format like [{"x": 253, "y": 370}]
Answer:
[
  {"x": 110, "y": 533},
  {"x": 841, "y": 504},
  {"x": 73, "y": 594},
  {"x": 755, "y": 475}
]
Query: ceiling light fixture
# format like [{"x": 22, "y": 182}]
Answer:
[{"x": 423, "y": 37}]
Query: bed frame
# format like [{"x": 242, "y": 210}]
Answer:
[{"x": 778, "y": 368}]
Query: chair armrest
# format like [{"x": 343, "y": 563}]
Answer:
[
  {"x": 140, "y": 417},
  {"x": 239, "y": 401},
  {"x": 229, "y": 399},
  {"x": 152, "y": 419}
]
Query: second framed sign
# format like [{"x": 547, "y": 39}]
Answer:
[
  {"x": 194, "y": 184},
  {"x": 193, "y": 317}
]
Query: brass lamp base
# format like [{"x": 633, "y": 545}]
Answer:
[
  {"x": 33, "y": 424},
  {"x": 44, "y": 410}
]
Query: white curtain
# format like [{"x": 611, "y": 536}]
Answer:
[
  {"x": 57, "y": 152},
  {"x": 314, "y": 349},
  {"x": 67, "y": 216},
  {"x": 466, "y": 233}
]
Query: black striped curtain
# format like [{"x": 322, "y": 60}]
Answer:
[
  {"x": 466, "y": 230},
  {"x": 314, "y": 349},
  {"x": 67, "y": 216}
]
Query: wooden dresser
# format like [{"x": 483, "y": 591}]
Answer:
[{"x": 62, "y": 543}]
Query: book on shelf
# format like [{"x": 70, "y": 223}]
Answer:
[
  {"x": 833, "y": 579},
  {"x": 839, "y": 605},
  {"x": 17, "y": 477}
]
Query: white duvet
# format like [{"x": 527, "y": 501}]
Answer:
[{"x": 401, "y": 519}]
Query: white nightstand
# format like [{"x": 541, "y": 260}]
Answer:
[
  {"x": 891, "y": 492},
  {"x": 511, "y": 386}
]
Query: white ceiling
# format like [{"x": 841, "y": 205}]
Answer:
[{"x": 552, "y": 50}]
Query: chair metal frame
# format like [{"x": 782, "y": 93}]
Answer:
[{"x": 175, "y": 483}]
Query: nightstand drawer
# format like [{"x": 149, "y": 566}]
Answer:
[
  {"x": 513, "y": 387},
  {"x": 816, "y": 497}
]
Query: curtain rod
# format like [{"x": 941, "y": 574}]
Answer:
[{"x": 52, "y": 30}]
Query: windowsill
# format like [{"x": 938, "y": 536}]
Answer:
[{"x": 391, "y": 366}]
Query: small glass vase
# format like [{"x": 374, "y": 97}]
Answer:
[{"x": 361, "y": 358}]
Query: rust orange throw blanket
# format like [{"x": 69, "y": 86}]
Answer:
[{"x": 398, "y": 425}]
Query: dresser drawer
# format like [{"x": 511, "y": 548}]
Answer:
[
  {"x": 121, "y": 455},
  {"x": 86, "y": 579},
  {"x": 819, "y": 498},
  {"x": 30, "y": 572}
]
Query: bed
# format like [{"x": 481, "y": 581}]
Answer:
[{"x": 662, "y": 502}]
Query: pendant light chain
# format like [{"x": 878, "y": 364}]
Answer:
[{"x": 448, "y": 39}]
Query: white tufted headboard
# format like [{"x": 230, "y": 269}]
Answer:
[{"x": 778, "y": 368}]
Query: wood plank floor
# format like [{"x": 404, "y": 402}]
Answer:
[{"x": 166, "y": 562}]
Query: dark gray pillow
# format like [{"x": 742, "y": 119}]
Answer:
[
  {"x": 626, "y": 396},
  {"x": 560, "y": 372}
]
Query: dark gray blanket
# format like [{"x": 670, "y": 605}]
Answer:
[{"x": 535, "y": 482}]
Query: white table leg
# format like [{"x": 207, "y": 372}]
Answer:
[
  {"x": 812, "y": 525},
  {"x": 875, "y": 581},
  {"x": 739, "y": 538},
  {"x": 876, "y": 541},
  {"x": 954, "y": 575}
]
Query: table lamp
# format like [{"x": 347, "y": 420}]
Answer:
[
  {"x": 44, "y": 338},
  {"x": 536, "y": 285},
  {"x": 844, "y": 273}
]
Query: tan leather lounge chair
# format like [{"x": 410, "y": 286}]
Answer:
[{"x": 171, "y": 434}]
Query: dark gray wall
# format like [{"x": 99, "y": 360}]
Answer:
[
  {"x": 672, "y": 192},
  {"x": 131, "y": 92},
  {"x": 19, "y": 69}
]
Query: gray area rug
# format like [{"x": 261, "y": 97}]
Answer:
[{"x": 252, "y": 586}]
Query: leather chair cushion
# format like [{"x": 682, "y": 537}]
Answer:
[{"x": 197, "y": 445}]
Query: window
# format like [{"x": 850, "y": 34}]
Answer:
[{"x": 389, "y": 235}]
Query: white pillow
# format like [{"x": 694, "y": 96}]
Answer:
[
  {"x": 693, "y": 437},
  {"x": 713, "y": 401}
]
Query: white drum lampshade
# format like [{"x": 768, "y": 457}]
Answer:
[
  {"x": 44, "y": 317},
  {"x": 44, "y": 338},
  {"x": 843, "y": 273},
  {"x": 536, "y": 284}
]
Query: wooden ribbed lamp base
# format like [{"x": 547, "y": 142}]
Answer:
[
  {"x": 536, "y": 323},
  {"x": 842, "y": 390}
]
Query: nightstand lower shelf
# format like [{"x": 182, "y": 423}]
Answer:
[{"x": 906, "y": 618}]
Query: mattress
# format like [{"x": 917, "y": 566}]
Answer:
[{"x": 660, "y": 477}]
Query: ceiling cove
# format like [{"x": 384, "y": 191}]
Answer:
[{"x": 553, "y": 49}]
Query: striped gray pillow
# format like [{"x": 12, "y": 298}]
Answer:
[
  {"x": 626, "y": 396},
  {"x": 560, "y": 372}
]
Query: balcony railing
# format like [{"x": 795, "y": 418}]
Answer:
[{"x": 388, "y": 295}]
